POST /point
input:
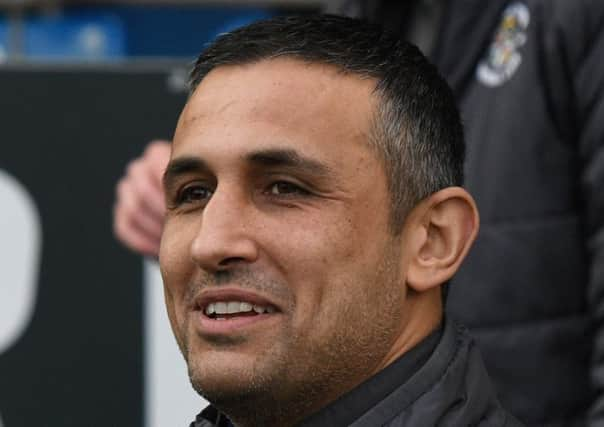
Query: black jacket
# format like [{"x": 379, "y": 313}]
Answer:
[
  {"x": 531, "y": 93},
  {"x": 451, "y": 389}
]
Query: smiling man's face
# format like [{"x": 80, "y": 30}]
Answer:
[{"x": 283, "y": 281}]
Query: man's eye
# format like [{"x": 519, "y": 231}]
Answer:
[
  {"x": 286, "y": 188},
  {"x": 193, "y": 194}
]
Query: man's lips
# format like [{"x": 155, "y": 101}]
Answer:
[
  {"x": 221, "y": 311},
  {"x": 209, "y": 297}
]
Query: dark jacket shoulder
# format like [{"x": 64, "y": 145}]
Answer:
[{"x": 451, "y": 389}]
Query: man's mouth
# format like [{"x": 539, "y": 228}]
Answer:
[
  {"x": 230, "y": 310},
  {"x": 221, "y": 315},
  {"x": 222, "y": 310}
]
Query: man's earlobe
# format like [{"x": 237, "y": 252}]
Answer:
[{"x": 442, "y": 229}]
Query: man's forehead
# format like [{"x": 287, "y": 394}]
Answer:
[{"x": 281, "y": 86}]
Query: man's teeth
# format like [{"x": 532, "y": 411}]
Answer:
[{"x": 231, "y": 307}]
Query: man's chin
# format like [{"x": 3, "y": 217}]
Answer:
[
  {"x": 218, "y": 390},
  {"x": 220, "y": 375}
]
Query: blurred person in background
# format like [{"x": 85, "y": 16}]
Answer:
[{"x": 529, "y": 79}]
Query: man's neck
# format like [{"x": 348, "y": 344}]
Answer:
[{"x": 423, "y": 314}]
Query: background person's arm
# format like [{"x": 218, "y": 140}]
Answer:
[{"x": 138, "y": 214}]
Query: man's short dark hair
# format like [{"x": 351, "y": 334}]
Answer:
[{"x": 416, "y": 129}]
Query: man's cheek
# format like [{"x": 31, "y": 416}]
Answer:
[
  {"x": 176, "y": 269},
  {"x": 175, "y": 260},
  {"x": 168, "y": 245}
]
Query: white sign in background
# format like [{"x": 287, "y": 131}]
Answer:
[
  {"x": 169, "y": 398},
  {"x": 20, "y": 247}
]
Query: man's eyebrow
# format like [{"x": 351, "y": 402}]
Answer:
[
  {"x": 288, "y": 158},
  {"x": 183, "y": 165},
  {"x": 275, "y": 157}
]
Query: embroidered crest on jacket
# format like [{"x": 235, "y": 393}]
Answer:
[{"x": 503, "y": 58}]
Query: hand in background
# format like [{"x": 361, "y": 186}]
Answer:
[{"x": 138, "y": 214}]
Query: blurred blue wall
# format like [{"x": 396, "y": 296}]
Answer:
[{"x": 117, "y": 32}]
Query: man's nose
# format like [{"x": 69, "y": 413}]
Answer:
[{"x": 224, "y": 237}]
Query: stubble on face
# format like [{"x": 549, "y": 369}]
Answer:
[
  {"x": 298, "y": 374},
  {"x": 201, "y": 373}
]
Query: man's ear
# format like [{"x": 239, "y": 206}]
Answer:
[{"x": 440, "y": 231}]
